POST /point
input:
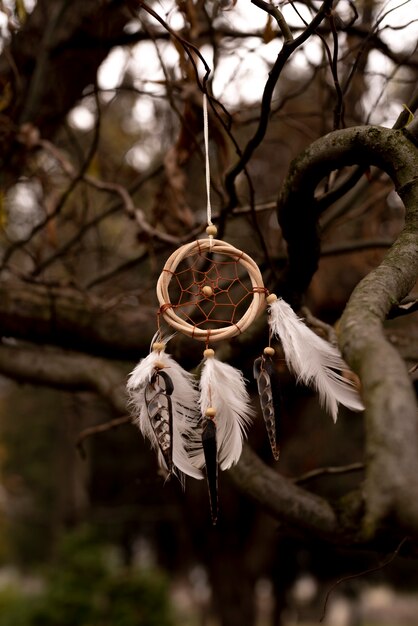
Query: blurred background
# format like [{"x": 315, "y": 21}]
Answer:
[{"x": 102, "y": 178}]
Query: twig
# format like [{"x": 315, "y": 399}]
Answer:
[
  {"x": 39, "y": 75},
  {"x": 406, "y": 307},
  {"x": 99, "y": 428},
  {"x": 113, "y": 208},
  {"x": 369, "y": 38},
  {"x": 314, "y": 322},
  {"x": 388, "y": 81},
  {"x": 116, "y": 188},
  {"x": 345, "y": 247},
  {"x": 342, "y": 187},
  {"x": 278, "y": 16},
  {"x": 323, "y": 471},
  {"x": 287, "y": 49},
  {"x": 28, "y": 135},
  {"x": 17, "y": 245},
  {"x": 404, "y": 115},
  {"x": 188, "y": 47},
  {"x": 344, "y": 207},
  {"x": 339, "y": 106},
  {"x": 371, "y": 570}
]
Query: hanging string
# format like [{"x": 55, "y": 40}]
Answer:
[{"x": 207, "y": 164}]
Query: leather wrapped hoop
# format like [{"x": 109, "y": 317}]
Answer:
[{"x": 216, "y": 334}]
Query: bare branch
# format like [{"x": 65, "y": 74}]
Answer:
[
  {"x": 281, "y": 497},
  {"x": 367, "y": 572},
  {"x": 362, "y": 146},
  {"x": 100, "y": 428},
  {"x": 274, "y": 75},
  {"x": 392, "y": 469},
  {"x": 188, "y": 47},
  {"x": 329, "y": 471},
  {"x": 84, "y": 229},
  {"x": 70, "y": 318},
  {"x": 47, "y": 94},
  {"x": 345, "y": 247},
  {"x": 278, "y": 16},
  {"x": 126, "y": 199},
  {"x": 65, "y": 370}
]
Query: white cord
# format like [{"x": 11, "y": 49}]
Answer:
[{"x": 207, "y": 164}]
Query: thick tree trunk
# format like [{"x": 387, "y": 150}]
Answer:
[{"x": 50, "y": 61}]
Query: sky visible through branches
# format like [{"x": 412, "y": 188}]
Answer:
[{"x": 240, "y": 73}]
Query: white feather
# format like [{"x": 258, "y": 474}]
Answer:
[
  {"x": 314, "y": 361},
  {"x": 222, "y": 387},
  {"x": 185, "y": 410}
]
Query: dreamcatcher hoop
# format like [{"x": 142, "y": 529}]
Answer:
[{"x": 168, "y": 310}]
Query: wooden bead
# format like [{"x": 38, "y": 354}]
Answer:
[
  {"x": 271, "y": 298},
  {"x": 209, "y": 353},
  {"x": 207, "y": 291},
  {"x": 210, "y": 411},
  {"x": 159, "y": 365},
  {"x": 211, "y": 230},
  {"x": 269, "y": 351},
  {"x": 158, "y": 346}
]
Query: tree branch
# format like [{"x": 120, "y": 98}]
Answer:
[
  {"x": 369, "y": 145},
  {"x": 65, "y": 370},
  {"x": 287, "y": 50},
  {"x": 392, "y": 468},
  {"x": 69, "y": 318},
  {"x": 74, "y": 372},
  {"x": 390, "y": 401},
  {"x": 100, "y": 428},
  {"x": 281, "y": 497},
  {"x": 278, "y": 495},
  {"x": 46, "y": 102}
]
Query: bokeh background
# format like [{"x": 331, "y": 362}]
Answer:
[{"x": 102, "y": 178}]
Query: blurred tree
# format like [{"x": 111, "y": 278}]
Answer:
[
  {"x": 82, "y": 587},
  {"x": 102, "y": 177}
]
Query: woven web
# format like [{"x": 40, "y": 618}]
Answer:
[{"x": 231, "y": 291}]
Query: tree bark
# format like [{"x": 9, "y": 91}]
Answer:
[
  {"x": 50, "y": 61},
  {"x": 69, "y": 318},
  {"x": 391, "y": 414},
  {"x": 66, "y": 370}
]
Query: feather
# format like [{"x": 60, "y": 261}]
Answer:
[
  {"x": 222, "y": 387},
  {"x": 314, "y": 361},
  {"x": 185, "y": 416},
  {"x": 157, "y": 396},
  {"x": 268, "y": 391},
  {"x": 211, "y": 461}
]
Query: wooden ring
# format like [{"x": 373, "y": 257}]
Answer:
[{"x": 221, "y": 247}]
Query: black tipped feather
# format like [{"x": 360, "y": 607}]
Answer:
[{"x": 211, "y": 460}]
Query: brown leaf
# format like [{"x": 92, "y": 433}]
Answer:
[{"x": 269, "y": 33}]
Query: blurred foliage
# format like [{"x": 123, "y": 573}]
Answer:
[
  {"x": 30, "y": 460},
  {"x": 16, "y": 609},
  {"x": 85, "y": 588}
]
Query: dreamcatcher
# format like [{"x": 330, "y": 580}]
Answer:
[{"x": 212, "y": 291}]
